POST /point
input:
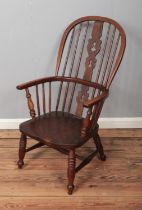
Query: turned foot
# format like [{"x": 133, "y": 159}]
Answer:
[
  {"x": 20, "y": 164},
  {"x": 102, "y": 157},
  {"x": 70, "y": 189},
  {"x": 22, "y": 150},
  {"x": 71, "y": 171}
]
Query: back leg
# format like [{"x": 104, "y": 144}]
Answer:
[
  {"x": 22, "y": 150},
  {"x": 99, "y": 145}
]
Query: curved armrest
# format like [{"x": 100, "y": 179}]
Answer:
[
  {"x": 92, "y": 102},
  {"x": 62, "y": 79},
  {"x": 34, "y": 82}
]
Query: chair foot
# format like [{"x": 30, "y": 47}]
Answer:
[
  {"x": 70, "y": 189},
  {"x": 102, "y": 157},
  {"x": 71, "y": 171},
  {"x": 22, "y": 150},
  {"x": 20, "y": 164}
]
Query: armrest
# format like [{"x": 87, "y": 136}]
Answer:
[
  {"x": 35, "y": 82},
  {"x": 91, "y": 102},
  {"x": 62, "y": 79}
]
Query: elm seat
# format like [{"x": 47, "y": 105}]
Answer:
[{"x": 55, "y": 128}]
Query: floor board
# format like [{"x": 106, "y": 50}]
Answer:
[{"x": 41, "y": 184}]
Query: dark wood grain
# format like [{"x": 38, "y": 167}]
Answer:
[{"x": 55, "y": 129}]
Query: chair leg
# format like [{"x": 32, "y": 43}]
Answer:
[
  {"x": 99, "y": 146},
  {"x": 71, "y": 171},
  {"x": 22, "y": 150}
]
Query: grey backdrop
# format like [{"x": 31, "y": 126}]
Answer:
[{"x": 30, "y": 31}]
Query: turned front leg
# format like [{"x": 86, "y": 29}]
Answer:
[
  {"x": 22, "y": 150},
  {"x": 71, "y": 171}
]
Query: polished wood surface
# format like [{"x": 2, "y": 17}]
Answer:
[
  {"x": 89, "y": 55},
  {"x": 55, "y": 129},
  {"x": 111, "y": 185}
]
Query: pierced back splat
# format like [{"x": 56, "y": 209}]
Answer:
[{"x": 93, "y": 48}]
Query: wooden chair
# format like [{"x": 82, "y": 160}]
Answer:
[{"x": 89, "y": 55}]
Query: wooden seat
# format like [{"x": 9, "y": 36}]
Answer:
[
  {"x": 65, "y": 108},
  {"x": 56, "y": 129}
]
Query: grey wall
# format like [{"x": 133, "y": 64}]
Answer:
[{"x": 30, "y": 31}]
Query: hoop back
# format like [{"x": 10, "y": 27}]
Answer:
[{"x": 91, "y": 49}]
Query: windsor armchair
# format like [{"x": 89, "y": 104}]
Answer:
[{"x": 89, "y": 55}]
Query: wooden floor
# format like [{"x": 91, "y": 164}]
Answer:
[{"x": 41, "y": 184}]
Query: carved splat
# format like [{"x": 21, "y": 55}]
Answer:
[{"x": 93, "y": 48}]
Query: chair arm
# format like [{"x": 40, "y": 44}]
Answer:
[
  {"x": 35, "y": 82},
  {"x": 92, "y": 102},
  {"x": 89, "y": 104},
  {"x": 62, "y": 79}
]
